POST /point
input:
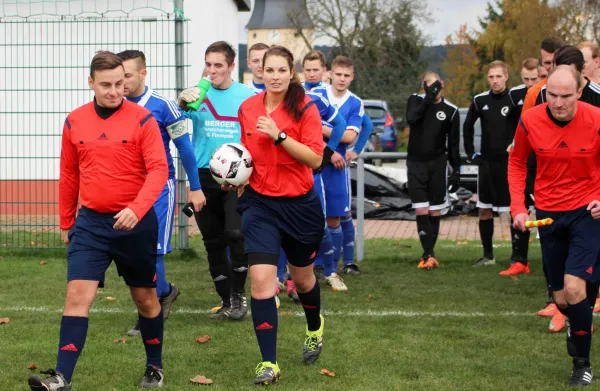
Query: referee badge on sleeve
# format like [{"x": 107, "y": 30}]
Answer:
[{"x": 440, "y": 115}]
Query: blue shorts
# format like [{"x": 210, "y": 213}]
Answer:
[
  {"x": 95, "y": 244},
  {"x": 337, "y": 191},
  {"x": 164, "y": 207},
  {"x": 292, "y": 223},
  {"x": 570, "y": 245},
  {"x": 320, "y": 190}
]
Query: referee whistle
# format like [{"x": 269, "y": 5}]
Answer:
[{"x": 538, "y": 223}]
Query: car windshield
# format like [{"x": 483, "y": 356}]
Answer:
[{"x": 375, "y": 112}]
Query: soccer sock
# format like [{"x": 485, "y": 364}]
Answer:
[
  {"x": 162, "y": 286},
  {"x": 152, "y": 334},
  {"x": 326, "y": 252},
  {"x": 264, "y": 317},
  {"x": 580, "y": 318},
  {"x": 239, "y": 274},
  {"x": 349, "y": 236},
  {"x": 311, "y": 302},
  {"x": 550, "y": 299},
  {"x": 520, "y": 244},
  {"x": 281, "y": 264},
  {"x": 435, "y": 226},
  {"x": 73, "y": 331},
  {"x": 425, "y": 234},
  {"x": 218, "y": 265},
  {"x": 592, "y": 292},
  {"x": 486, "y": 230},
  {"x": 337, "y": 240}
]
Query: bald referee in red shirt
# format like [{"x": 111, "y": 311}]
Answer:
[
  {"x": 113, "y": 160},
  {"x": 564, "y": 134}
]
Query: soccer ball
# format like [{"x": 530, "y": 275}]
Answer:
[{"x": 231, "y": 164}]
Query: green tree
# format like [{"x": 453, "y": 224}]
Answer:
[{"x": 461, "y": 68}]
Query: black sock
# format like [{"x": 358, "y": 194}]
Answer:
[
  {"x": 152, "y": 331},
  {"x": 239, "y": 278},
  {"x": 580, "y": 318},
  {"x": 435, "y": 226},
  {"x": 548, "y": 287},
  {"x": 520, "y": 244},
  {"x": 218, "y": 265},
  {"x": 311, "y": 301},
  {"x": 592, "y": 292},
  {"x": 73, "y": 332},
  {"x": 564, "y": 311},
  {"x": 486, "y": 230},
  {"x": 425, "y": 234},
  {"x": 264, "y": 316}
]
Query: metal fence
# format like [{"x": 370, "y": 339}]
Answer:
[{"x": 44, "y": 63}]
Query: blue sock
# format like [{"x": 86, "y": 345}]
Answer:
[
  {"x": 326, "y": 253},
  {"x": 337, "y": 240},
  {"x": 281, "y": 264},
  {"x": 349, "y": 235},
  {"x": 152, "y": 334},
  {"x": 162, "y": 285},
  {"x": 264, "y": 316},
  {"x": 73, "y": 331},
  {"x": 580, "y": 318}
]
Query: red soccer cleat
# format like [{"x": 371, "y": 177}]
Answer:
[{"x": 515, "y": 269}]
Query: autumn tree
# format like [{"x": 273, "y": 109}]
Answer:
[
  {"x": 461, "y": 68},
  {"x": 579, "y": 20}
]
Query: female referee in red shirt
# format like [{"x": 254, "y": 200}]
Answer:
[{"x": 281, "y": 128}]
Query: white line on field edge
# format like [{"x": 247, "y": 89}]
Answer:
[{"x": 368, "y": 313}]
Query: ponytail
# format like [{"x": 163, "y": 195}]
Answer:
[{"x": 293, "y": 97}]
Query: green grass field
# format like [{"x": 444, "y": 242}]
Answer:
[{"x": 397, "y": 328}]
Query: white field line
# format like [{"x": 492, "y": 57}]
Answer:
[{"x": 368, "y": 313}]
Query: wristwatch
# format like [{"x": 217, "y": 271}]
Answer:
[{"x": 282, "y": 136}]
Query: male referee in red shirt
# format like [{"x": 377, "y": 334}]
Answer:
[
  {"x": 113, "y": 160},
  {"x": 564, "y": 134}
]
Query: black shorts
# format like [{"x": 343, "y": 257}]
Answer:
[
  {"x": 570, "y": 245},
  {"x": 428, "y": 183},
  {"x": 95, "y": 244},
  {"x": 492, "y": 185},
  {"x": 294, "y": 224}
]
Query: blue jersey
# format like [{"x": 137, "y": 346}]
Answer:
[
  {"x": 351, "y": 109},
  {"x": 326, "y": 110},
  {"x": 166, "y": 113},
  {"x": 216, "y": 121},
  {"x": 257, "y": 88},
  {"x": 311, "y": 86}
]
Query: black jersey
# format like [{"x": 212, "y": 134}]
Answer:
[
  {"x": 492, "y": 110},
  {"x": 590, "y": 94},
  {"x": 434, "y": 129},
  {"x": 517, "y": 98}
]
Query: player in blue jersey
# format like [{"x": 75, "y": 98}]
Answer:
[
  {"x": 255, "y": 64},
  {"x": 172, "y": 127},
  {"x": 337, "y": 182},
  {"x": 216, "y": 123},
  {"x": 314, "y": 67}
]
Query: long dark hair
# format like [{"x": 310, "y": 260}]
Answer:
[{"x": 295, "y": 92}]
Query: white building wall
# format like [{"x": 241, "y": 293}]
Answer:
[{"x": 44, "y": 66}]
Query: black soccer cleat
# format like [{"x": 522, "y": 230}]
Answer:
[
  {"x": 320, "y": 273},
  {"x": 153, "y": 377},
  {"x": 54, "y": 382},
  {"x": 221, "y": 312},
  {"x": 239, "y": 306},
  {"x": 351, "y": 269},
  {"x": 581, "y": 375},
  {"x": 167, "y": 301},
  {"x": 134, "y": 331}
]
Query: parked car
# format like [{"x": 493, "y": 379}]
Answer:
[
  {"x": 468, "y": 172},
  {"x": 379, "y": 113},
  {"x": 374, "y": 145}
]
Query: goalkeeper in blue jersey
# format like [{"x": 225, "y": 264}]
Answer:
[
  {"x": 172, "y": 127},
  {"x": 216, "y": 123}
]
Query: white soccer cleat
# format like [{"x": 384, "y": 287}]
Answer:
[{"x": 336, "y": 282}]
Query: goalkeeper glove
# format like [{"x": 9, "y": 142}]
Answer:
[
  {"x": 192, "y": 94},
  {"x": 432, "y": 91}
]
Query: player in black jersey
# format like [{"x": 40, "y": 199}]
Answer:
[
  {"x": 570, "y": 55},
  {"x": 434, "y": 130},
  {"x": 520, "y": 240},
  {"x": 491, "y": 108}
]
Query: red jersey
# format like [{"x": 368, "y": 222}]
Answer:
[
  {"x": 276, "y": 173},
  {"x": 568, "y": 160},
  {"x": 112, "y": 163}
]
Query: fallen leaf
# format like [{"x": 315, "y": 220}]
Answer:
[
  {"x": 32, "y": 366},
  {"x": 33, "y": 243},
  {"x": 203, "y": 339},
  {"x": 514, "y": 278},
  {"x": 4, "y": 321},
  {"x": 327, "y": 372},
  {"x": 99, "y": 291},
  {"x": 201, "y": 380},
  {"x": 43, "y": 263},
  {"x": 370, "y": 297},
  {"x": 110, "y": 298},
  {"x": 285, "y": 313},
  {"x": 122, "y": 340}
]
